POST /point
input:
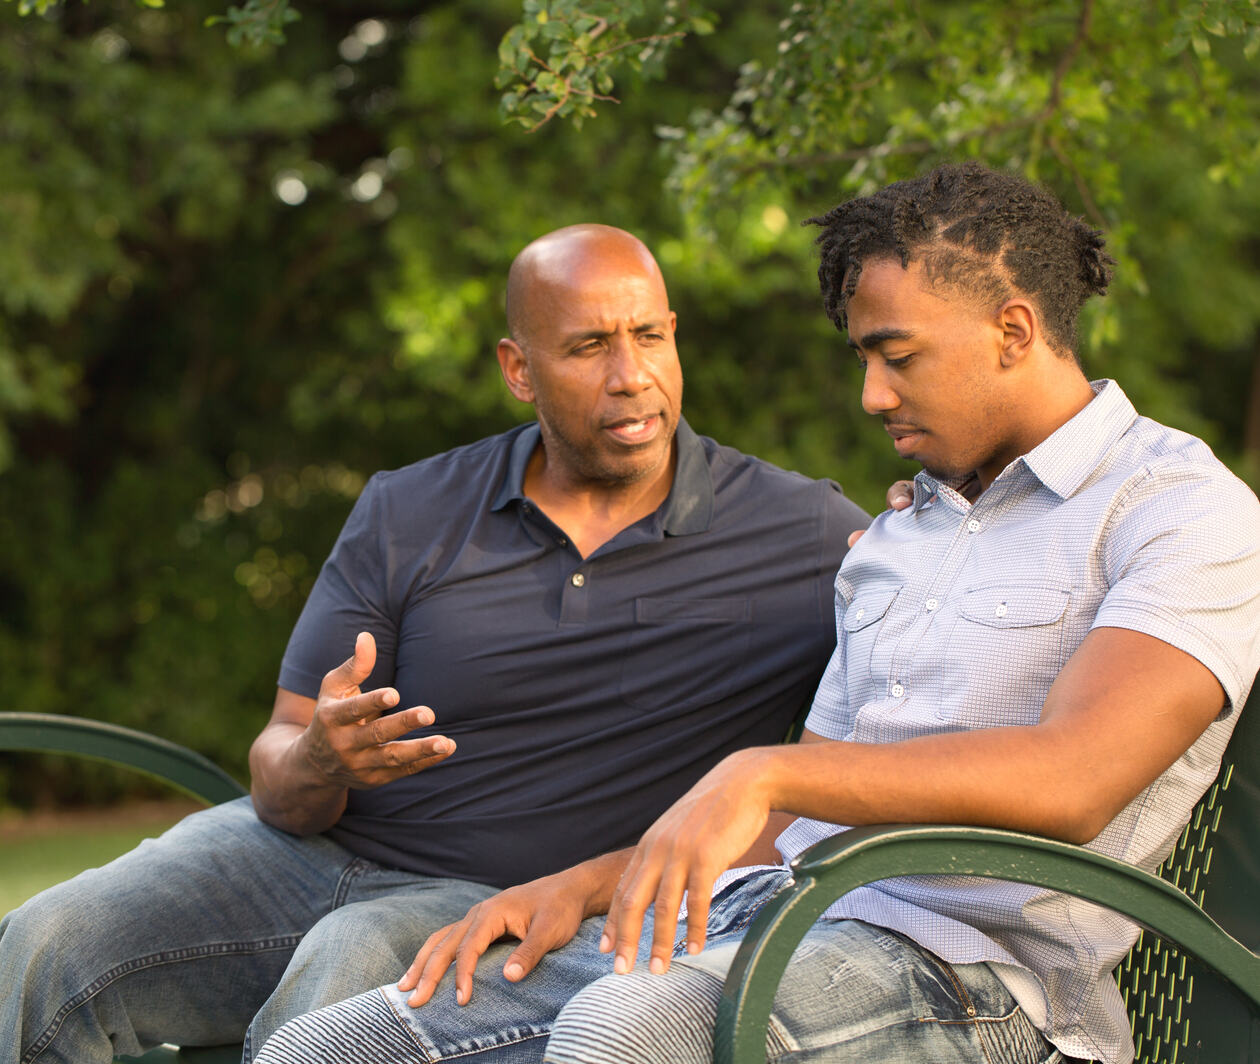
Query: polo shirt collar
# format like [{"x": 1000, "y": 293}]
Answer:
[{"x": 688, "y": 507}]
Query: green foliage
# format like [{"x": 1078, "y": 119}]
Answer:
[
  {"x": 258, "y": 22},
  {"x": 563, "y": 55},
  {"x": 235, "y": 281}
]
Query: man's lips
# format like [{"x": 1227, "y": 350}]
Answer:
[
  {"x": 904, "y": 437},
  {"x": 638, "y": 429}
]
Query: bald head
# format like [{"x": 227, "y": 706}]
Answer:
[{"x": 561, "y": 260}]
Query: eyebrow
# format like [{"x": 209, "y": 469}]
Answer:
[
  {"x": 599, "y": 334},
  {"x": 879, "y": 336}
]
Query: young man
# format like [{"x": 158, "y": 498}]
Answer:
[
  {"x": 1056, "y": 636},
  {"x": 598, "y": 607}
]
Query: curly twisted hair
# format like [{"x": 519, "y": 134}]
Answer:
[{"x": 985, "y": 234}]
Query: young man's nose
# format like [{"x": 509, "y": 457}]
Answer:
[{"x": 878, "y": 396}]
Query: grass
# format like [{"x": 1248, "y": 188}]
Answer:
[{"x": 38, "y": 850}]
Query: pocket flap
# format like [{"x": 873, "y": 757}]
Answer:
[
  {"x": 1014, "y": 606},
  {"x": 692, "y": 611},
  {"x": 868, "y": 607}
]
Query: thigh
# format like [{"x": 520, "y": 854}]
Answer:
[
  {"x": 852, "y": 994},
  {"x": 180, "y": 939},
  {"x": 366, "y": 942},
  {"x": 504, "y": 1023},
  {"x": 857, "y": 993}
]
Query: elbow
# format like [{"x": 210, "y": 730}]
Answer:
[{"x": 1079, "y": 821}]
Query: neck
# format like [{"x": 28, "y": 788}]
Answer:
[
  {"x": 592, "y": 512},
  {"x": 1059, "y": 393}
]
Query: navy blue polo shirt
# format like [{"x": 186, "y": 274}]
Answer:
[{"x": 584, "y": 695}]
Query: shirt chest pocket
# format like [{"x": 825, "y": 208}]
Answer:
[
  {"x": 860, "y": 627},
  {"x": 685, "y": 652},
  {"x": 1008, "y": 644}
]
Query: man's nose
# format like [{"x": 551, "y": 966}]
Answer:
[
  {"x": 628, "y": 372},
  {"x": 878, "y": 396}
]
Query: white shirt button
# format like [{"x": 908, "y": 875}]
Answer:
[
  {"x": 1001, "y": 610},
  {"x": 860, "y": 614},
  {"x": 898, "y": 690},
  {"x": 931, "y": 604},
  {"x": 973, "y": 525},
  {"x": 577, "y": 580}
]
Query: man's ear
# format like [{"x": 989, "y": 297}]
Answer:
[
  {"x": 1021, "y": 329},
  {"x": 515, "y": 369}
]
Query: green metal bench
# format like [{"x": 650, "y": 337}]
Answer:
[
  {"x": 166, "y": 761},
  {"x": 1191, "y": 985},
  {"x": 1192, "y": 980}
]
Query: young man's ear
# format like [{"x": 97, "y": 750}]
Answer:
[
  {"x": 515, "y": 369},
  {"x": 1020, "y": 330}
]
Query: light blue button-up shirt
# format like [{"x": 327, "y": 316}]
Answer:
[{"x": 953, "y": 615}]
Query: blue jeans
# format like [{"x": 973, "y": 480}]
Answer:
[
  {"x": 852, "y": 993},
  {"x": 218, "y": 931}
]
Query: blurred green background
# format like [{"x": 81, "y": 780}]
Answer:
[{"x": 235, "y": 281}]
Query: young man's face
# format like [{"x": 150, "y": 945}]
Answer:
[{"x": 933, "y": 372}]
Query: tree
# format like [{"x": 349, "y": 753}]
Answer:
[{"x": 235, "y": 281}]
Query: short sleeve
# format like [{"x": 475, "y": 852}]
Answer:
[
  {"x": 1181, "y": 558},
  {"x": 350, "y": 596}
]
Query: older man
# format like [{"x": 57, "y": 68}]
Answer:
[
  {"x": 594, "y": 608},
  {"x": 1056, "y": 636}
]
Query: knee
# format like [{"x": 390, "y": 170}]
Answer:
[
  {"x": 639, "y": 1018},
  {"x": 50, "y": 925},
  {"x": 350, "y": 939}
]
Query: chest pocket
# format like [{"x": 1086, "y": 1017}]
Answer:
[
  {"x": 861, "y": 624},
  {"x": 685, "y": 652},
  {"x": 1011, "y": 635},
  {"x": 1014, "y": 606}
]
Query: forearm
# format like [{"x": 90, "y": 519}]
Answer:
[
  {"x": 594, "y": 881},
  {"x": 1124, "y": 708},
  {"x": 288, "y": 791}
]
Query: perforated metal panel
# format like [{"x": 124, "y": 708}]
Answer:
[{"x": 1156, "y": 980}]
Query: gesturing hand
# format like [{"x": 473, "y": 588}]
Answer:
[
  {"x": 350, "y": 740},
  {"x": 543, "y": 914},
  {"x": 695, "y": 840}
]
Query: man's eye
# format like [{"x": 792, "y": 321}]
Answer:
[{"x": 896, "y": 362}]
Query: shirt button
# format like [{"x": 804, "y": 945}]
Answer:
[
  {"x": 973, "y": 525},
  {"x": 860, "y": 614},
  {"x": 562, "y": 541},
  {"x": 577, "y": 580},
  {"x": 1001, "y": 610},
  {"x": 931, "y": 604},
  {"x": 898, "y": 690}
]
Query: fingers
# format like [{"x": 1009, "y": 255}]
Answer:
[
  {"x": 543, "y": 936},
  {"x": 624, "y": 924},
  {"x": 356, "y": 668},
  {"x": 900, "y": 494},
  {"x": 431, "y": 963}
]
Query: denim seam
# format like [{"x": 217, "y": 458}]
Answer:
[
  {"x": 972, "y": 1013},
  {"x": 345, "y": 882},
  {"x": 454, "y": 1056},
  {"x": 138, "y": 964}
]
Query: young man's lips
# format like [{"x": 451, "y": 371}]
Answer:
[{"x": 904, "y": 437}]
